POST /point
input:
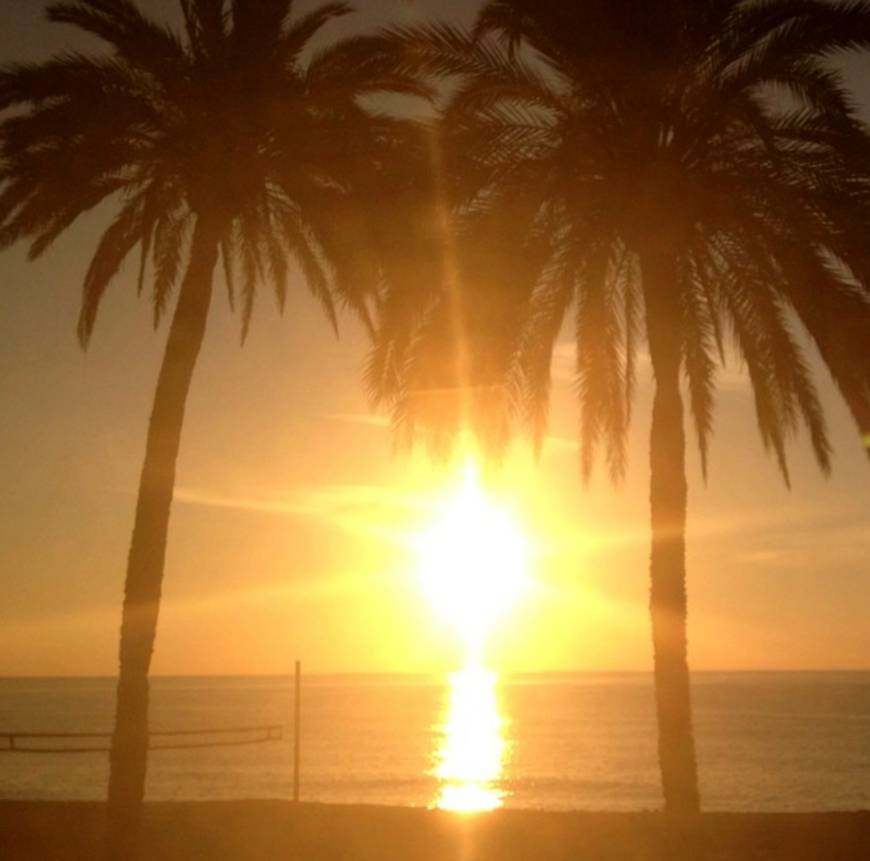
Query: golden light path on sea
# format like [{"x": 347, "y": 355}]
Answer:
[{"x": 471, "y": 758}]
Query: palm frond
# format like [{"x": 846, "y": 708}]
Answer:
[
  {"x": 229, "y": 252},
  {"x": 135, "y": 38},
  {"x": 297, "y": 36},
  {"x": 600, "y": 368},
  {"x": 170, "y": 233},
  {"x": 548, "y": 309},
  {"x": 117, "y": 242},
  {"x": 206, "y": 24}
]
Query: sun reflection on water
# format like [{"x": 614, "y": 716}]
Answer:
[{"x": 471, "y": 758}]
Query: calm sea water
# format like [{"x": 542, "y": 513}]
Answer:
[{"x": 785, "y": 742}]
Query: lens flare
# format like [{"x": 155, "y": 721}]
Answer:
[{"x": 473, "y": 563}]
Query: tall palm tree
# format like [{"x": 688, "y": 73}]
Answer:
[
  {"x": 230, "y": 140},
  {"x": 688, "y": 172}
]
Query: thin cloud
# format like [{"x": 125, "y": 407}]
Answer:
[
  {"x": 561, "y": 444},
  {"x": 365, "y": 419},
  {"x": 768, "y": 536},
  {"x": 367, "y": 510},
  {"x": 835, "y": 548}
]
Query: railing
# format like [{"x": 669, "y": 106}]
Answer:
[{"x": 28, "y": 742}]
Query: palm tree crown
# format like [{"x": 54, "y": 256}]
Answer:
[
  {"x": 235, "y": 139},
  {"x": 715, "y": 131},
  {"x": 237, "y": 120}
]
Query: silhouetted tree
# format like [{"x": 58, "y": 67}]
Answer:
[
  {"x": 688, "y": 172},
  {"x": 233, "y": 140}
]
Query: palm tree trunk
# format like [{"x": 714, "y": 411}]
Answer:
[
  {"x": 148, "y": 547},
  {"x": 668, "y": 500}
]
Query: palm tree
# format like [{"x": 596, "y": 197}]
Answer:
[
  {"x": 231, "y": 140},
  {"x": 688, "y": 172}
]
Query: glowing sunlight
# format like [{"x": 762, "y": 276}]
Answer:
[
  {"x": 473, "y": 563},
  {"x": 471, "y": 757}
]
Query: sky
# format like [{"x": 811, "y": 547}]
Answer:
[{"x": 293, "y": 523}]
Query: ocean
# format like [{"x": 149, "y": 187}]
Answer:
[{"x": 766, "y": 741}]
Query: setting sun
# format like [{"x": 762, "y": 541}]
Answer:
[{"x": 473, "y": 562}]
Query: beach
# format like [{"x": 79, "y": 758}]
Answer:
[{"x": 266, "y": 830}]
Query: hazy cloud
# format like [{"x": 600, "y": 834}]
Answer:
[
  {"x": 365, "y": 419},
  {"x": 369, "y": 510}
]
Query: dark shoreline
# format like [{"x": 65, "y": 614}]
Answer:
[{"x": 267, "y": 830}]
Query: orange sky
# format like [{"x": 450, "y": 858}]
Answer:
[{"x": 288, "y": 536}]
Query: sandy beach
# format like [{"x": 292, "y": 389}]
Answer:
[{"x": 263, "y": 830}]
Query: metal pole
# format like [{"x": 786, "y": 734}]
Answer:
[{"x": 297, "y": 721}]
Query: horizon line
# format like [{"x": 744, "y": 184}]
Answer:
[{"x": 438, "y": 673}]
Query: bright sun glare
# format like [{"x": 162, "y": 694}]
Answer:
[
  {"x": 473, "y": 562},
  {"x": 472, "y": 755}
]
